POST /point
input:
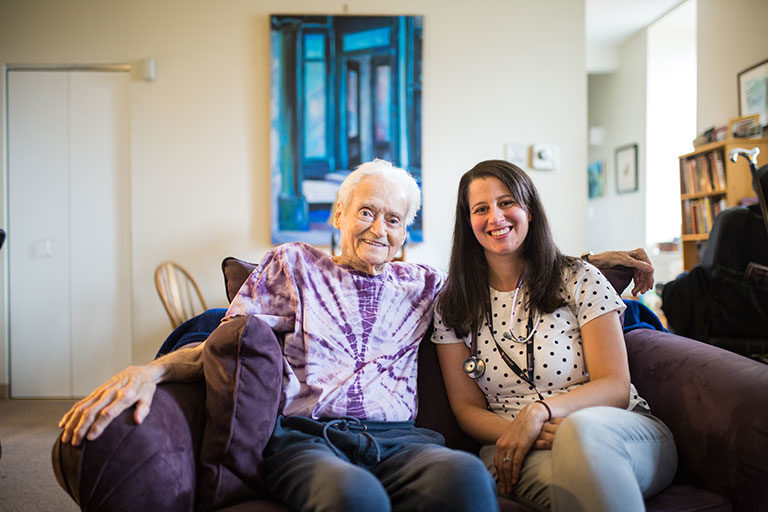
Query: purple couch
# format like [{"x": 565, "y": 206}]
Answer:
[{"x": 715, "y": 402}]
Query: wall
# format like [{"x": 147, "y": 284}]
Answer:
[
  {"x": 671, "y": 88},
  {"x": 502, "y": 71},
  {"x": 732, "y": 37},
  {"x": 617, "y": 103}
]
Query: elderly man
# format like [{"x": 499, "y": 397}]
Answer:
[{"x": 350, "y": 325}]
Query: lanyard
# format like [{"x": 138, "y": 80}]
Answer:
[{"x": 526, "y": 375}]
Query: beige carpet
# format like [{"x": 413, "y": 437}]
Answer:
[{"x": 27, "y": 432}]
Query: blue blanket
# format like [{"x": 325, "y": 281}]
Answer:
[
  {"x": 639, "y": 316},
  {"x": 195, "y": 329}
]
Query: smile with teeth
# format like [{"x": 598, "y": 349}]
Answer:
[
  {"x": 500, "y": 232},
  {"x": 373, "y": 243}
]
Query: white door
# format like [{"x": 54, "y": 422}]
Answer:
[{"x": 68, "y": 230}]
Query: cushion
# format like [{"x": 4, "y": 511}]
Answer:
[
  {"x": 242, "y": 363},
  {"x": 619, "y": 277},
  {"x": 235, "y": 273}
]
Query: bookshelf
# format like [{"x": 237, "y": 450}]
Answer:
[{"x": 709, "y": 183}]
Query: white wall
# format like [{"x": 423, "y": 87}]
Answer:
[
  {"x": 494, "y": 72},
  {"x": 617, "y": 103},
  {"x": 671, "y": 118},
  {"x": 733, "y": 36}
]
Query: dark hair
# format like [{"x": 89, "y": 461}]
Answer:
[{"x": 465, "y": 297}]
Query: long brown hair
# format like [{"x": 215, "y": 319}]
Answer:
[{"x": 465, "y": 297}]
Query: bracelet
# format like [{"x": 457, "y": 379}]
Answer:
[{"x": 549, "y": 411}]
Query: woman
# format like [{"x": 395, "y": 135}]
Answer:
[{"x": 539, "y": 334}]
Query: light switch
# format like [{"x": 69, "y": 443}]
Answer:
[{"x": 517, "y": 154}]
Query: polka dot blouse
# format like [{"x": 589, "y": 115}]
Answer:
[{"x": 558, "y": 354}]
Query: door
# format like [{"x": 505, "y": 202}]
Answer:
[{"x": 68, "y": 230}]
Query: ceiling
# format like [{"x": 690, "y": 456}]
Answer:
[{"x": 611, "y": 22}]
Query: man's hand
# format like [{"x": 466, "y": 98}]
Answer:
[
  {"x": 90, "y": 416},
  {"x": 637, "y": 260}
]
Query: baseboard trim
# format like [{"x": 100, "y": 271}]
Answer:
[{"x": 4, "y": 391}]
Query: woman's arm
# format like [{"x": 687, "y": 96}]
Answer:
[
  {"x": 466, "y": 398},
  {"x": 637, "y": 260},
  {"x": 606, "y": 359},
  {"x": 513, "y": 439},
  {"x": 135, "y": 385}
]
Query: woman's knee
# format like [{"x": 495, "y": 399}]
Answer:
[
  {"x": 462, "y": 480},
  {"x": 583, "y": 428},
  {"x": 339, "y": 488}
]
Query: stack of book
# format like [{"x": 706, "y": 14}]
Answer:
[
  {"x": 699, "y": 214},
  {"x": 703, "y": 173}
]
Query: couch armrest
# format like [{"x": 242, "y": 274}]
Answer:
[
  {"x": 139, "y": 467},
  {"x": 716, "y": 404}
]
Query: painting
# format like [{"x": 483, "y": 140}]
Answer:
[
  {"x": 626, "y": 168},
  {"x": 753, "y": 92},
  {"x": 344, "y": 90},
  {"x": 596, "y": 179}
]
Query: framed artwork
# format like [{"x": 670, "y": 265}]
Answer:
[
  {"x": 596, "y": 179},
  {"x": 747, "y": 126},
  {"x": 344, "y": 90},
  {"x": 626, "y": 168},
  {"x": 753, "y": 92}
]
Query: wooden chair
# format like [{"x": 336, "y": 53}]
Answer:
[{"x": 178, "y": 292}]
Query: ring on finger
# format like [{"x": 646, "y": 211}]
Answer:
[{"x": 507, "y": 459}]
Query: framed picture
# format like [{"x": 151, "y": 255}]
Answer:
[
  {"x": 753, "y": 92},
  {"x": 596, "y": 179},
  {"x": 747, "y": 126},
  {"x": 344, "y": 90},
  {"x": 626, "y": 168}
]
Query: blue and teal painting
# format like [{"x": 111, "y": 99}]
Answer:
[{"x": 344, "y": 90}]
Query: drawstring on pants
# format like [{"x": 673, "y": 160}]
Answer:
[{"x": 348, "y": 423}]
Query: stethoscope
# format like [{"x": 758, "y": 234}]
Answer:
[{"x": 474, "y": 367}]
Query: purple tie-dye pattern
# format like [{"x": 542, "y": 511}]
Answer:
[{"x": 350, "y": 340}]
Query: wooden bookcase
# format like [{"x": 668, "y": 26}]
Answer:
[{"x": 709, "y": 183}]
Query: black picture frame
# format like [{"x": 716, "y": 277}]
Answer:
[{"x": 626, "y": 168}]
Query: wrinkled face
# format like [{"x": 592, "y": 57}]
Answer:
[
  {"x": 500, "y": 224},
  {"x": 372, "y": 224}
]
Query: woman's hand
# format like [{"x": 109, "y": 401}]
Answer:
[
  {"x": 637, "y": 260},
  {"x": 515, "y": 443},
  {"x": 547, "y": 435},
  {"x": 90, "y": 416}
]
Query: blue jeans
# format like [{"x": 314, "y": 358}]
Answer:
[
  {"x": 602, "y": 459},
  {"x": 385, "y": 466}
]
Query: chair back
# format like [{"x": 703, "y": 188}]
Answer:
[{"x": 178, "y": 292}]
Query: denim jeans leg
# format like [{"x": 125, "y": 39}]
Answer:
[
  {"x": 429, "y": 477},
  {"x": 610, "y": 459}
]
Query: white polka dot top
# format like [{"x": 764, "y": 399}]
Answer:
[{"x": 558, "y": 355}]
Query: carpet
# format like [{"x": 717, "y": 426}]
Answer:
[{"x": 27, "y": 432}]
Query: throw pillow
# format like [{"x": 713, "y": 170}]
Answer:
[
  {"x": 235, "y": 273},
  {"x": 242, "y": 362}
]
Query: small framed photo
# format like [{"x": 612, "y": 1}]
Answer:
[
  {"x": 596, "y": 179},
  {"x": 747, "y": 126},
  {"x": 753, "y": 92},
  {"x": 626, "y": 168}
]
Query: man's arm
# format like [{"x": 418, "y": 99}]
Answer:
[
  {"x": 637, "y": 260},
  {"x": 135, "y": 385}
]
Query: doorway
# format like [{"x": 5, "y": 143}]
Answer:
[{"x": 68, "y": 230}]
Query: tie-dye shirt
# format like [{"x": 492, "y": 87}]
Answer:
[{"x": 350, "y": 339}]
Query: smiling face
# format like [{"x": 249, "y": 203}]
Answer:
[
  {"x": 372, "y": 224},
  {"x": 500, "y": 224}
]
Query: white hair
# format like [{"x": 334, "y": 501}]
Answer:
[{"x": 390, "y": 173}]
